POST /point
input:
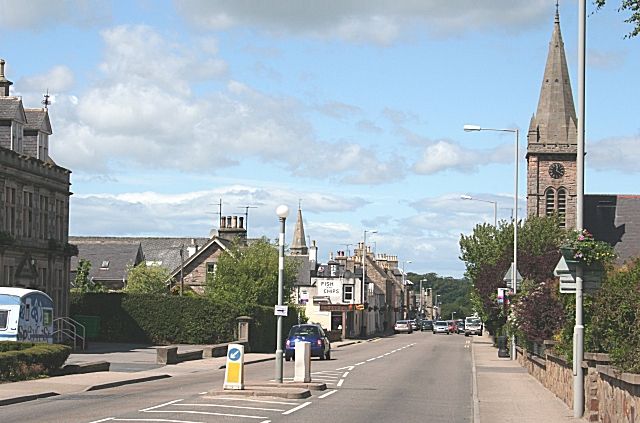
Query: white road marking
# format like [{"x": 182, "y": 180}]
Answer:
[
  {"x": 103, "y": 420},
  {"x": 230, "y": 406},
  {"x": 345, "y": 374},
  {"x": 342, "y": 368},
  {"x": 202, "y": 393},
  {"x": 362, "y": 362},
  {"x": 293, "y": 410},
  {"x": 154, "y": 420},
  {"x": 380, "y": 356},
  {"x": 161, "y": 405},
  {"x": 387, "y": 353},
  {"x": 253, "y": 400},
  {"x": 371, "y": 359},
  {"x": 351, "y": 368},
  {"x": 266, "y": 421},
  {"x": 328, "y": 393},
  {"x": 205, "y": 413},
  {"x": 340, "y": 383}
]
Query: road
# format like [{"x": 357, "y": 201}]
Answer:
[{"x": 403, "y": 378}]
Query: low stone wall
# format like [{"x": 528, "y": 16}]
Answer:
[{"x": 610, "y": 395}]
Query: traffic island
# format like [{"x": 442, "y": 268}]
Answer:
[{"x": 261, "y": 391}]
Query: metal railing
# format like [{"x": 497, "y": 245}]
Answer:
[{"x": 66, "y": 328}]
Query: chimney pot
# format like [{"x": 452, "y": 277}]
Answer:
[
  {"x": 223, "y": 222},
  {"x": 235, "y": 222},
  {"x": 229, "y": 222},
  {"x": 241, "y": 226}
]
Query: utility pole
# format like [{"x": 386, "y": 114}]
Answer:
[
  {"x": 246, "y": 216},
  {"x": 181, "y": 268}
]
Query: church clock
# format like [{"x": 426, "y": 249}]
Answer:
[{"x": 556, "y": 171}]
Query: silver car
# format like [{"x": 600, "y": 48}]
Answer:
[
  {"x": 402, "y": 326},
  {"x": 441, "y": 327}
]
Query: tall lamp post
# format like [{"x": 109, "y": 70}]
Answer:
[
  {"x": 495, "y": 207},
  {"x": 438, "y": 306},
  {"x": 283, "y": 213},
  {"x": 364, "y": 269},
  {"x": 404, "y": 286},
  {"x": 470, "y": 128}
]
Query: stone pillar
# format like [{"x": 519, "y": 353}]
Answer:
[{"x": 243, "y": 328}]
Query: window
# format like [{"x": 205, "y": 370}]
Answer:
[
  {"x": 16, "y": 137},
  {"x": 27, "y": 214},
  {"x": 43, "y": 146},
  {"x": 44, "y": 217},
  {"x": 27, "y": 314},
  {"x": 550, "y": 198},
  {"x": 562, "y": 205},
  {"x": 59, "y": 215},
  {"x": 105, "y": 264},
  {"x": 8, "y": 275},
  {"x": 47, "y": 317},
  {"x": 347, "y": 295},
  {"x": 211, "y": 268},
  {"x": 10, "y": 210},
  {"x": 4, "y": 317}
]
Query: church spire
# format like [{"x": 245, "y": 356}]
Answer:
[
  {"x": 555, "y": 122},
  {"x": 299, "y": 244}
]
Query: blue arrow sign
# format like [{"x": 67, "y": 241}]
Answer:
[{"x": 234, "y": 354}]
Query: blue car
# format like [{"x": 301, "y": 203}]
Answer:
[{"x": 320, "y": 346}]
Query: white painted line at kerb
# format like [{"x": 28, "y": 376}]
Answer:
[
  {"x": 297, "y": 408},
  {"x": 161, "y": 405},
  {"x": 328, "y": 393},
  {"x": 340, "y": 383},
  {"x": 345, "y": 374}
]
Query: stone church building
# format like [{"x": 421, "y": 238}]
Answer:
[{"x": 552, "y": 144}]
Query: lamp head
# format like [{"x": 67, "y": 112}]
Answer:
[
  {"x": 469, "y": 128},
  {"x": 466, "y": 197},
  {"x": 282, "y": 211}
]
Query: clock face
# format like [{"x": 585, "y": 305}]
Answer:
[{"x": 556, "y": 171}]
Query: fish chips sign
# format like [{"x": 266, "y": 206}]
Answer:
[{"x": 330, "y": 288}]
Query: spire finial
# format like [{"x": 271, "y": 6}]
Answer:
[
  {"x": 299, "y": 203},
  {"x": 46, "y": 101},
  {"x": 557, "y": 13}
]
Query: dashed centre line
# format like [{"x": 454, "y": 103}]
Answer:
[
  {"x": 371, "y": 359},
  {"x": 362, "y": 362}
]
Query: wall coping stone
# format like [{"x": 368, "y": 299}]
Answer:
[{"x": 611, "y": 371}]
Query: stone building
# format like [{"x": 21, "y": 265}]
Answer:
[{"x": 34, "y": 249}]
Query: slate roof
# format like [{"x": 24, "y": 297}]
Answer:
[
  {"x": 165, "y": 251},
  {"x": 35, "y": 118},
  {"x": 119, "y": 255},
  {"x": 9, "y": 107}
]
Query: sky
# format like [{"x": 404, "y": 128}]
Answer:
[{"x": 351, "y": 110}]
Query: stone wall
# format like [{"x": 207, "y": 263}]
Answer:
[{"x": 610, "y": 395}]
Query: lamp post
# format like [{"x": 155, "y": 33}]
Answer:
[
  {"x": 283, "y": 213},
  {"x": 404, "y": 286},
  {"x": 470, "y": 128},
  {"x": 421, "y": 296},
  {"x": 364, "y": 269},
  {"x": 495, "y": 207},
  {"x": 452, "y": 314},
  {"x": 438, "y": 306}
]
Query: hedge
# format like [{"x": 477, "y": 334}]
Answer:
[
  {"x": 22, "y": 360},
  {"x": 168, "y": 319}
]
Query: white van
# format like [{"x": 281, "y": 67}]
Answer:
[
  {"x": 25, "y": 315},
  {"x": 472, "y": 326}
]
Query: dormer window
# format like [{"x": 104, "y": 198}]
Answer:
[
  {"x": 43, "y": 146},
  {"x": 16, "y": 137}
]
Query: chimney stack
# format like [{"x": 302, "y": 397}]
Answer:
[{"x": 4, "y": 82}]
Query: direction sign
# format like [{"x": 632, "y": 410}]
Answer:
[
  {"x": 234, "y": 354},
  {"x": 281, "y": 310}
]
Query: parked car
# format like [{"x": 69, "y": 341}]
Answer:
[
  {"x": 402, "y": 326},
  {"x": 441, "y": 326},
  {"x": 427, "y": 325},
  {"x": 414, "y": 324},
  {"x": 460, "y": 326},
  {"x": 320, "y": 345}
]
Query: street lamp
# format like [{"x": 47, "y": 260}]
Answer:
[
  {"x": 452, "y": 313},
  {"x": 495, "y": 207},
  {"x": 470, "y": 128},
  {"x": 438, "y": 305},
  {"x": 283, "y": 213},
  {"x": 364, "y": 269},
  {"x": 404, "y": 286},
  {"x": 421, "y": 296}
]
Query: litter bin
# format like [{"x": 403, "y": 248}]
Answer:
[
  {"x": 91, "y": 325},
  {"x": 502, "y": 347}
]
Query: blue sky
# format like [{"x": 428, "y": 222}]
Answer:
[{"x": 162, "y": 108}]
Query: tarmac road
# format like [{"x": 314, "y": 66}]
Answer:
[{"x": 402, "y": 378}]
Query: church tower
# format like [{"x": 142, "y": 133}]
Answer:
[
  {"x": 552, "y": 141},
  {"x": 299, "y": 244}
]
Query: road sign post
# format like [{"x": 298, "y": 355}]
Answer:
[{"x": 234, "y": 371}]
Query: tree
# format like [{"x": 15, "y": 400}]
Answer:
[
  {"x": 82, "y": 283},
  {"x": 145, "y": 279},
  {"x": 249, "y": 275},
  {"x": 631, "y": 5}
]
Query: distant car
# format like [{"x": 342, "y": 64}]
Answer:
[
  {"x": 452, "y": 326},
  {"x": 402, "y": 326},
  {"x": 441, "y": 326},
  {"x": 427, "y": 325},
  {"x": 460, "y": 326},
  {"x": 472, "y": 326},
  {"x": 320, "y": 345},
  {"x": 414, "y": 324}
]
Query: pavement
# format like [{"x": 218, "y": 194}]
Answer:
[{"x": 503, "y": 391}]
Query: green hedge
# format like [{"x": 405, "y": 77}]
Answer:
[
  {"x": 22, "y": 360},
  {"x": 168, "y": 319}
]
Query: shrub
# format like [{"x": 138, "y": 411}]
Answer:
[{"x": 23, "y": 360}]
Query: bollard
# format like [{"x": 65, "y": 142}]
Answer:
[
  {"x": 502, "y": 347},
  {"x": 234, "y": 371},
  {"x": 303, "y": 362}
]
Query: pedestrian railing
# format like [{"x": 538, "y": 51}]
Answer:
[{"x": 65, "y": 328}]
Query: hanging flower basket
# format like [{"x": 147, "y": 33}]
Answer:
[{"x": 581, "y": 248}]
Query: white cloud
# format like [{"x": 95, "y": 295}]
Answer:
[
  {"x": 363, "y": 21},
  {"x": 605, "y": 59},
  {"x": 615, "y": 153},
  {"x": 38, "y": 15},
  {"x": 445, "y": 154},
  {"x": 141, "y": 112}
]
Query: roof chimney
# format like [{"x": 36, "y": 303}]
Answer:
[{"x": 4, "y": 82}]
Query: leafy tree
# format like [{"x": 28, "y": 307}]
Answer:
[
  {"x": 538, "y": 312},
  {"x": 455, "y": 294},
  {"x": 249, "y": 275},
  {"x": 145, "y": 279},
  {"x": 627, "y": 5},
  {"x": 82, "y": 283}
]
